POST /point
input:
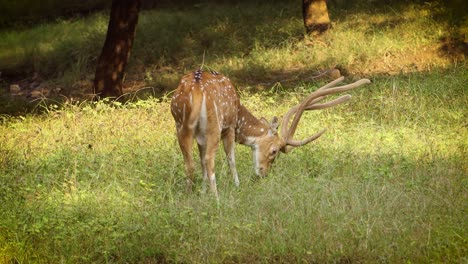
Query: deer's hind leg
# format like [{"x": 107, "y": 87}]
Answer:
[
  {"x": 208, "y": 146},
  {"x": 185, "y": 138},
  {"x": 202, "y": 151},
  {"x": 211, "y": 148}
]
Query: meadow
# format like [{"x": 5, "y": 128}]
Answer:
[{"x": 103, "y": 182}]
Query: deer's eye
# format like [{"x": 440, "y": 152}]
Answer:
[{"x": 273, "y": 152}]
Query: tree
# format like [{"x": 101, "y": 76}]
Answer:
[
  {"x": 315, "y": 14},
  {"x": 117, "y": 46}
]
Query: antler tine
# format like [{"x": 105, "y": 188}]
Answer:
[
  {"x": 331, "y": 84},
  {"x": 296, "y": 143},
  {"x": 339, "y": 100},
  {"x": 285, "y": 121},
  {"x": 326, "y": 86},
  {"x": 310, "y": 104},
  {"x": 319, "y": 93},
  {"x": 293, "y": 110},
  {"x": 287, "y": 116}
]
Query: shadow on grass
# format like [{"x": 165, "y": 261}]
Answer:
[
  {"x": 176, "y": 39},
  {"x": 278, "y": 82}
]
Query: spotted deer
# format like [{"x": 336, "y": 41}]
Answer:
[{"x": 206, "y": 107}]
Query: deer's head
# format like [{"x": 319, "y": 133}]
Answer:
[{"x": 267, "y": 146}]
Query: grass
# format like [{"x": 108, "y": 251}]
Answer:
[{"x": 103, "y": 182}]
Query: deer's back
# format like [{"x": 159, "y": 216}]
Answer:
[{"x": 205, "y": 99}]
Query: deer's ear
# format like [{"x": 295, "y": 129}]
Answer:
[{"x": 274, "y": 124}]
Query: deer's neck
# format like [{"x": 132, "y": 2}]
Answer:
[{"x": 248, "y": 127}]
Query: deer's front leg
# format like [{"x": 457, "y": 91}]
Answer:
[{"x": 229, "y": 145}]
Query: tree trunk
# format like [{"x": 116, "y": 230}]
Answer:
[
  {"x": 116, "y": 51},
  {"x": 315, "y": 14}
]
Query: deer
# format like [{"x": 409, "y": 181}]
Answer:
[{"x": 206, "y": 108}]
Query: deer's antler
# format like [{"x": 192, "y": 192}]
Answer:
[{"x": 311, "y": 103}]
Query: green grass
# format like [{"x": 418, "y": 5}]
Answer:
[
  {"x": 102, "y": 183},
  {"x": 84, "y": 182}
]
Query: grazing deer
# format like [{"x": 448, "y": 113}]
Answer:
[{"x": 206, "y": 107}]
